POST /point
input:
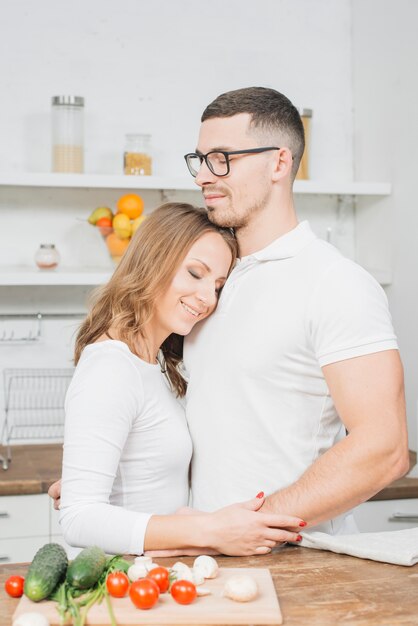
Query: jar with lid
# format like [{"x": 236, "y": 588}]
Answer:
[
  {"x": 67, "y": 134},
  {"x": 137, "y": 154},
  {"x": 47, "y": 256},
  {"x": 303, "y": 171}
]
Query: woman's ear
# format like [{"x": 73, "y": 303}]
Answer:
[{"x": 282, "y": 164}]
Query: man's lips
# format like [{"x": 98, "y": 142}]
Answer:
[{"x": 213, "y": 196}]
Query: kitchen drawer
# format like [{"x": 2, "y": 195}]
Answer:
[
  {"x": 24, "y": 516},
  {"x": 20, "y": 550},
  {"x": 381, "y": 515}
]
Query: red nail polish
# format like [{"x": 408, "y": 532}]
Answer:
[
  {"x": 302, "y": 524},
  {"x": 260, "y": 495},
  {"x": 299, "y": 538}
]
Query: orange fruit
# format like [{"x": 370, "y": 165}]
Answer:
[
  {"x": 131, "y": 205},
  {"x": 115, "y": 245}
]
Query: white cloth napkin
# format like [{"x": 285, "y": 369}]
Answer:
[{"x": 399, "y": 547}]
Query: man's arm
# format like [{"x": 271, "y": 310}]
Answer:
[{"x": 368, "y": 393}]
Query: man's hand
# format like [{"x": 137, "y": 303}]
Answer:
[{"x": 54, "y": 492}]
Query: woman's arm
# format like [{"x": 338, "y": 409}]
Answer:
[{"x": 236, "y": 530}]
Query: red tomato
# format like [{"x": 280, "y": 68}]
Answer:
[
  {"x": 183, "y": 591},
  {"x": 117, "y": 584},
  {"x": 14, "y": 586},
  {"x": 144, "y": 593},
  {"x": 160, "y": 575}
]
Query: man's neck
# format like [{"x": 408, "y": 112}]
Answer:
[{"x": 265, "y": 227}]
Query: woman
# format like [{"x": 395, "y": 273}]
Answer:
[{"x": 126, "y": 445}]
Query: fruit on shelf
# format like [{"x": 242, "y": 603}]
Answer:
[
  {"x": 122, "y": 226},
  {"x": 137, "y": 223},
  {"x": 116, "y": 246},
  {"x": 97, "y": 214},
  {"x": 130, "y": 205},
  {"x": 117, "y": 230}
]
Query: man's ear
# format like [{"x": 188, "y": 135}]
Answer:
[{"x": 282, "y": 164}]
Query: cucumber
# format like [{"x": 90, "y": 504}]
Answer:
[
  {"x": 45, "y": 572},
  {"x": 87, "y": 567}
]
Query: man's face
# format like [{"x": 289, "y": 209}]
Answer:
[{"x": 233, "y": 200}]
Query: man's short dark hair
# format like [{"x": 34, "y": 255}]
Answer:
[{"x": 270, "y": 111}]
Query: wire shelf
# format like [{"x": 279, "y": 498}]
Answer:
[{"x": 34, "y": 405}]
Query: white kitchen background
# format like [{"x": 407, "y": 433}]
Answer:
[{"x": 152, "y": 67}]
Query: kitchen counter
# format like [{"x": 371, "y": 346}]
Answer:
[
  {"x": 32, "y": 470},
  {"x": 35, "y": 467},
  {"x": 314, "y": 587}
]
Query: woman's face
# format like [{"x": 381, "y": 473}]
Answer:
[{"x": 194, "y": 291}]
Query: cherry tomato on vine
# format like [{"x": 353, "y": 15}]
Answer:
[
  {"x": 144, "y": 593},
  {"x": 14, "y": 586},
  {"x": 183, "y": 591},
  {"x": 117, "y": 584},
  {"x": 160, "y": 575}
]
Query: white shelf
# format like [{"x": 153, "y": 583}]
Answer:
[
  {"x": 27, "y": 276},
  {"x": 18, "y": 276},
  {"x": 102, "y": 181}
]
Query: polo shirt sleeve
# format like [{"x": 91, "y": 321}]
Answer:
[{"x": 349, "y": 315}]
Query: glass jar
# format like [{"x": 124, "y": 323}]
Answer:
[
  {"x": 303, "y": 171},
  {"x": 67, "y": 134},
  {"x": 47, "y": 256},
  {"x": 137, "y": 155}
]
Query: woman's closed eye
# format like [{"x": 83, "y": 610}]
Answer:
[{"x": 195, "y": 274}]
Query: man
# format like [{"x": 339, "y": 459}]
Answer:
[{"x": 301, "y": 348}]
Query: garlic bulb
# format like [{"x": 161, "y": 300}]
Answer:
[
  {"x": 206, "y": 566},
  {"x": 31, "y": 619},
  {"x": 240, "y": 588}
]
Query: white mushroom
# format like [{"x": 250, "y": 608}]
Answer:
[
  {"x": 143, "y": 560},
  {"x": 137, "y": 571},
  {"x": 203, "y": 591},
  {"x": 240, "y": 588},
  {"x": 206, "y": 566},
  {"x": 182, "y": 571},
  {"x": 31, "y": 619}
]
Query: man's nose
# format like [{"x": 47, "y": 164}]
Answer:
[{"x": 204, "y": 176}]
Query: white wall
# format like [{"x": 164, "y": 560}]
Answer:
[
  {"x": 385, "y": 96},
  {"x": 153, "y": 66}
]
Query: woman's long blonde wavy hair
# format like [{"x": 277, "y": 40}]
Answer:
[{"x": 126, "y": 302}]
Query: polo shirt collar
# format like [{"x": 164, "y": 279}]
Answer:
[{"x": 286, "y": 246}]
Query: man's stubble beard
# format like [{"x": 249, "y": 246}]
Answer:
[{"x": 228, "y": 218}]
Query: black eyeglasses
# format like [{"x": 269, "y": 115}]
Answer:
[{"x": 218, "y": 160}]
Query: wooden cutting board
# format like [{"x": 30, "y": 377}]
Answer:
[{"x": 212, "y": 609}]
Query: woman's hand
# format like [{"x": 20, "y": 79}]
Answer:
[
  {"x": 54, "y": 492},
  {"x": 239, "y": 530}
]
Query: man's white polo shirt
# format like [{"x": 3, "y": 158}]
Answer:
[{"x": 258, "y": 407}]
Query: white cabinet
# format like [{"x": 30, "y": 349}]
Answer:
[
  {"x": 27, "y": 523},
  {"x": 382, "y": 515}
]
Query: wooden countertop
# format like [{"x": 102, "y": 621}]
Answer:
[
  {"x": 314, "y": 587},
  {"x": 32, "y": 470},
  {"x": 35, "y": 467}
]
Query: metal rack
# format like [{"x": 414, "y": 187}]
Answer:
[
  {"x": 34, "y": 405},
  {"x": 33, "y": 334}
]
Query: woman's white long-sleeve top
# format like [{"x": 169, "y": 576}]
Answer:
[{"x": 127, "y": 450}]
